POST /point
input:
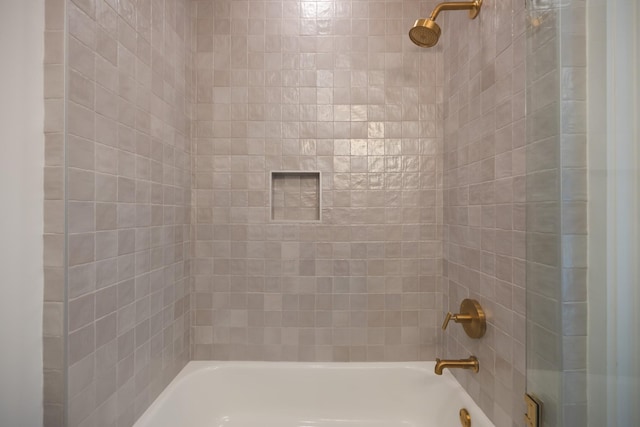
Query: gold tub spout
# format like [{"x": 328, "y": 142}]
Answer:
[{"x": 470, "y": 363}]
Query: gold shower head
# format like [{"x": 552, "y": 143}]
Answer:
[{"x": 425, "y": 32}]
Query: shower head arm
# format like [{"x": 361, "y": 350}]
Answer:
[{"x": 473, "y": 6}]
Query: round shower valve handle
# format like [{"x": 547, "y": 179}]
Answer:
[{"x": 471, "y": 316}]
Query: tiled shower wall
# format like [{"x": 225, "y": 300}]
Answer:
[
  {"x": 484, "y": 195},
  {"x": 333, "y": 86},
  {"x": 329, "y": 86},
  {"x": 557, "y": 210},
  {"x": 127, "y": 150},
  {"x": 54, "y": 369},
  {"x": 574, "y": 220}
]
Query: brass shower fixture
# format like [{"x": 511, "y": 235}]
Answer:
[{"x": 425, "y": 32}]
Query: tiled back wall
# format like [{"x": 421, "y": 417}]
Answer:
[{"x": 333, "y": 86}]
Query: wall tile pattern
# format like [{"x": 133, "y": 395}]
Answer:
[
  {"x": 334, "y": 86},
  {"x": 484, "y": 198},
  {"x": 557, "y": 210},
  {"x": 54, "y": 369},
  {"x": 128, "y": 181},
  {"x": 544, "y": 354},
  {"x": 574, "y": 221}
]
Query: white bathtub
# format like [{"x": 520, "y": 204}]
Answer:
[{"x": 267, "y": 394}]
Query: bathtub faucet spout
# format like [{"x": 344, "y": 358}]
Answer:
[{"x": 470, "y": 363}]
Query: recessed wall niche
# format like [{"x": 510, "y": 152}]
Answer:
[{"x": 295, "y": 196}]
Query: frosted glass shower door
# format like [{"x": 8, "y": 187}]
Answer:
[
  {"x": 614, "y": 213},
  {"x": 583, "y": 211}
]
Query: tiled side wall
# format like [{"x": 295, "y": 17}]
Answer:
[
  {"x": 128, "y": 204},
  {"x": 484, "y": 195},
  {"x": 54, "y": 220},
  {"x": 544, "y": 352},
  {"x": 557, "y": 211},
  {"x": 334, "y": 86},
  {"x": 573, "y": 162}
]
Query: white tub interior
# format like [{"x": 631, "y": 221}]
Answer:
[{"x": 252, "y": 394}]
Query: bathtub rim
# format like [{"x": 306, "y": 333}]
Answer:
[{"x": 194, "y": 367}]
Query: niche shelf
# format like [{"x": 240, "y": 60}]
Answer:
[{"x": 295, "y": 196}]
